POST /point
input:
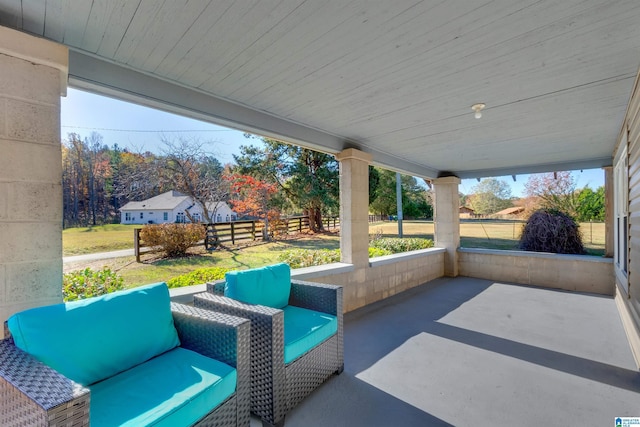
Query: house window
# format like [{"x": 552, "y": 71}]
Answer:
[
  {"x": 621, "y": 217},
  {"x": 180, "y": 217},
  {"x": 219, "y": 218},
  {"x": 227, "y": 218},
  {"x": 233, "y": 217},
  {"x": 196, "y": 217},
  {"x": 141, "y": 215},
  {"x": 127, "y": 216},
  {"x": 165, "y": 216}
]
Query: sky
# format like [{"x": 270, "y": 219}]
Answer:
[{"x": 140, "y": 128}]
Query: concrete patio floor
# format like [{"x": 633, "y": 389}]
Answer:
[{"x": 471, "y": 352}]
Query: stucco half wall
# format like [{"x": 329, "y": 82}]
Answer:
[{"x": 582, "y": 273}]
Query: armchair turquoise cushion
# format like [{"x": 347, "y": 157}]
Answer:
[
  {"x": 93, "y": 339},
  {"x": 269, "y": 285},
  {"x": 176, "y": 388},
  {"x": 304, "y": 329}
]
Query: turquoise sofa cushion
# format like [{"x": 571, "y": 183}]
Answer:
[
  {"x": 270, "y": 285},
  {"x": 93, "y": 339},
  {"x": 304, "y": 329},
  {"x": 176, "y": 388}
]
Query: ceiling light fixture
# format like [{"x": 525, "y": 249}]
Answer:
[{"x": 478, "y": 109}]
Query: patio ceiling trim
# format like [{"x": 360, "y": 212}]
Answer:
[
  {"x": 549, "y": 167},
  {"x": 107, "y": 78}
]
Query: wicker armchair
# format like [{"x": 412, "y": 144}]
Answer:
[
  {"x": 277, "y": 387},
  {"x": 31, "y": 393}
]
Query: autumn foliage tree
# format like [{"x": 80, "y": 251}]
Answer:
[
  {"x": 308, "y": 179},
  {"x": 251, "y": 196},
  {"x": 554, "y": 191}
]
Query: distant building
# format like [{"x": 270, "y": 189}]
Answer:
[
  {"x": 466, "y": 212},
  {"x": 172, "y": 207},
  {"x": 514, "y": 212}
]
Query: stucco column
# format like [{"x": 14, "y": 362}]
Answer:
[
  {"x": 33, "y": 76},
  {"x": 608, "y": 211},
  {"x": 447, "y": 221},
  {"x": 354, "y": 206}
]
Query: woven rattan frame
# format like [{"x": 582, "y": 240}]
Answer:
[
  {"x": 31, "y": 393},
  {"x": 275, "y": 387}
]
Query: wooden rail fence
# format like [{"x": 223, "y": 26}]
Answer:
[{"x": 237, "y": 231}]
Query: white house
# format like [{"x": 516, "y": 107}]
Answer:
[{"x": 172, "y": 207}]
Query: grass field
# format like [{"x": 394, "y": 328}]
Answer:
[
  {"x": 474, "y": 234},
  {"x": 489, "y": 234},
  {"x": 101, "y": 238}
]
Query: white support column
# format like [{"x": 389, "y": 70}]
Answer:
[
  {"x": 447, "y": 221},
  {"x": 354, "y": 206},
  {"x": 33, "y": 76}
]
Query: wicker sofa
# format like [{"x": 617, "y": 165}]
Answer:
[
  {"x": 188, "y": 366},
  {"x": 281, "y": 379}
]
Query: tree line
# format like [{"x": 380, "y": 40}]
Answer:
[
  {"x": 266, "y": 181},
  {"x": 553, "y": 191}
]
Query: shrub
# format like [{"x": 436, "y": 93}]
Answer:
[
  {"x": 174, "y": 239},
  {"x": 553, "y": 231},
  {"x": 88, "y": 283},
  {"x": 197, "y": 277},
  {"x": 298, "y": 258},
  {"x": 397, "y": 245},
  {"x": 376, "y": 252}
]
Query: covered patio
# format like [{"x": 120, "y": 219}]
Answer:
[
  {"x": 391, "y": 85},
  {"x": 476, "y": 352}
]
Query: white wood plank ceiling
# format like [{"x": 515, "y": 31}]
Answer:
[{"x": 395, "y": 78}]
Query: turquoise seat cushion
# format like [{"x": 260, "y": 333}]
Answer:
[
  {"x": 304, "y": 329},
  {"x": 176, "y": 388},
  {"x": 93, "y": 339},
  {"x": 270, "y": 285}
]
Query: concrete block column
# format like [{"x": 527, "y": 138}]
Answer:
[
  {"x": 33, "y": 76},
  {"x": 447, "y": 221},
  {"x": 354, "y": 206}
]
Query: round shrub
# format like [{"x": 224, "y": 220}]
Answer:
[
  {"x": 174, "y": 239},
  {"x": 553, "y": 231}
]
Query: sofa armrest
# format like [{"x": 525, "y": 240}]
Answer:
[
  {"x": 33, "y": 393},
  {"x": 216, "y": 287},
  {"x": 221, "y": 337},
  {"x": 211, "y": 334},
  {"x": 268, "y": 380},
  {"x": 316, "y": 296}
]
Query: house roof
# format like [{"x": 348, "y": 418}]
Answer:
[
  {"x": 511, "y": 211},
  {"x": 165, "y": 201},
  {"x": 394, "y": 79}
]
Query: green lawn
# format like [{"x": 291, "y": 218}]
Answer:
[
  {"x": 475, "y": 234},
  {"x": 101, "y": 238},
  {"x": 489, "y": 234}
]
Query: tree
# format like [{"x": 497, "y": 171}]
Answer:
[
  {"x": 308, "y": 179},
  {"x": 251, "y": 196},
  {"x": 415, "y": 199},
  {"x": 556, "y": 191},
  {"x": 590, "y": 204},
  {"x": 188, "y": 168},
  {"x": 490, "y": 196}
]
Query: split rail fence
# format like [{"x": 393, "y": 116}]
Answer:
[{"x": 238, "y": 231}]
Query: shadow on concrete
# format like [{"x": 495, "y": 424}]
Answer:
[{"x": 357, "y": 404}]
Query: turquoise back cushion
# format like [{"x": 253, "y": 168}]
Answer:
[
  {"x": 93, "y": 339},
  {"x": 270, "y": 285}
]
